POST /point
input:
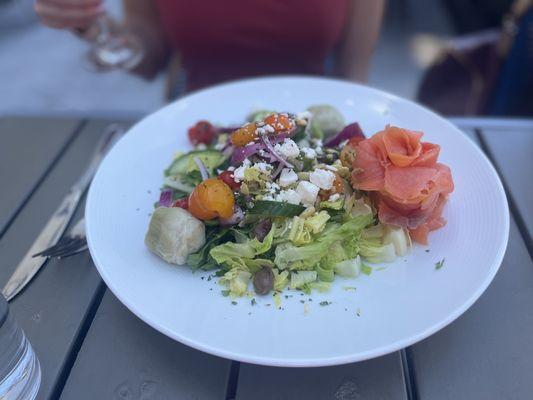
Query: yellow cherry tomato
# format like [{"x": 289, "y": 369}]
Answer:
[
  {"x": 244, "y": 135},
  {"x": 211, "y": 199}
]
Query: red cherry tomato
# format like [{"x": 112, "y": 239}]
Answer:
[
  {"x": 182, "y": 203},
  {"x": 202, "y": 132},
  {"x": 228, "y": 178}
]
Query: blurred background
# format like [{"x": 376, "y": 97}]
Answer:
[{"x": 44, "y": 71}]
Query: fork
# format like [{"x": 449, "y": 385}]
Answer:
[{"x": 73, "y": 242}]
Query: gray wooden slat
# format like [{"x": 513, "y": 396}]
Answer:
[
  {"x": 28, "y": 146},
  {"x": 513, "y": 154},
  {"x": 380, "y": 378},
  {"x": 488, "y": 352},
  {"x": 52, "y": 309},
  {"x": 123, "y": 358}
]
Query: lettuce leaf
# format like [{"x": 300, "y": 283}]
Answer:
[{"x": 236, "y": 280}]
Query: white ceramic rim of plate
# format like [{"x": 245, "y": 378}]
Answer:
[{"x": 338, "y": 360}]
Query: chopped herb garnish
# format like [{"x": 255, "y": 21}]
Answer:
[
  {"x": 268, "y": 305},
  {"x": 325, "y": 303},
  {"x": 358, "y": 312},
  {"x": 202, "y": 277},
  {"x": 380, "y": 268},
  {"x": 209, "y": 278},
  {"x": 302, "y": 301},
  {"x": 253, "y": 302},
  {"x": 225, "y": 293},
  {"x": 309, "y": 299},
  {"x": 366, "y": 269},
  {"x": 234, "y": 302},
  {"x": 440, "y": 264},
  {"x": 249, "y": 313},
  {"x": 345, "y": 309},
  {"x": 349, "y": 288},
  {"x": 286, "y": 296},
  {"x": 427, "y": 250}
]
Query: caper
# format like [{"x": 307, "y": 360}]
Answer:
[{"x": 263, "y": 281}]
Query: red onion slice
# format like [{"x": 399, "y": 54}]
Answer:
[
  {"x": 202, "y": 168},
  {"x": 165, "y": 198}
]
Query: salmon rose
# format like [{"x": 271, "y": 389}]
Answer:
[{"x": 407, "y": 184}]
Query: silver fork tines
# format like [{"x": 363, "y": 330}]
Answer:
[{"x": 72, "y": 243}]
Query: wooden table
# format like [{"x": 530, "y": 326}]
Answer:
[{"x": 91, "y": 347}]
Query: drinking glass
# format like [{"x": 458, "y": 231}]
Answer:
[{"x": 20, "y": 373}]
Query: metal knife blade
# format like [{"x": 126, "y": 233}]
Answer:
[{"x": 56, "y": 225}]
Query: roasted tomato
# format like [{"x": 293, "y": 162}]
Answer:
[
  {"x": 202, "y": 132},
  {"x": 228, "y": 178},
  {"x": 211, "y": 199},
  {"x": 280, "y": 122},
  {"x": 182, "y": 203},
  {"x": 244, "y": 135}
]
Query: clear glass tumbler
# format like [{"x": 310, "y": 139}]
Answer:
[{"x": 20, "y": 373}]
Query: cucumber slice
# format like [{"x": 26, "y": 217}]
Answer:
[
  {"x": 185, "y": 163},
  {"x": 269, "y": 208}
]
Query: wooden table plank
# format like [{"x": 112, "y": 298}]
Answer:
[
  {"x": 123, "y": 358},
  {"x": 29, "y": 147},
  {"x": 512, "y": 152},
  {"x": 53, "y": 309},
  {"x": 488, "y": 352},
  {"x": 380, "y": 378}
]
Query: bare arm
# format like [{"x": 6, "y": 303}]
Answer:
[
  {"x": 142, "y": 19},
  {"x": 360, "y": 37}
]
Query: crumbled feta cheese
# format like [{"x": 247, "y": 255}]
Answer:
[
  {"x": 290, "y": 196},
  {"x": 287, "y": 177},
  {"x": 232, "y": 168},
  {"x": 288, "y": 149},
  {"x": 331, "y": 167},
  {"x": 260, "y": 131},
  {"x": 219, "y": 146},
  {"x": 238, "y": 174},
  {"x": 309, "y": 152},
  {"x": 322, "y": 178},
  {"x": 246, "y": 163},
  {"x": 263, "y": 166},
  {"x": 262, "y": 152},
  {"x": 307, "y": 191},
  {"x": 268, "y": 197},
  {"x": 272, "y": 187},
  {"x": 269, "y": 128},
  {"x": 334, "y": 197}
]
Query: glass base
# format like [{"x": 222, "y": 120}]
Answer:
[{"x": 20, "y": 374}]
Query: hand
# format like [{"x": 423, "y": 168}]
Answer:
[{"x": 69, "y": 14}]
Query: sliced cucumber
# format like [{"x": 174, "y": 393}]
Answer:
[
  {"x": 269, "y": 208},
  {"x": 185, "y": 163}
]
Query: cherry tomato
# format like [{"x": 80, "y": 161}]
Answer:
[
  {"x": 202, "y": 132},
  {"x": 280, "y": 122},
  {"x": 244, "y": 135},
  {"x": 211, "y": 199},
  {"x": 182, "y": 203},
  {"x": 228, "y": 178}
]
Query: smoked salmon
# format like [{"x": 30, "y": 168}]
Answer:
[{"x": 408, "y": 186}]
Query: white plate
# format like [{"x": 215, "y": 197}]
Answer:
[{"x": 391, "y": 309}]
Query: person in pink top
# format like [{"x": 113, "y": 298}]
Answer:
[{"x": 224, "y": 40}]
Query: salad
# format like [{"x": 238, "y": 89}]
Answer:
[{"x": 296, "y": 200}]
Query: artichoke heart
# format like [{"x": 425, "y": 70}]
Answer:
[{"x": 173, "y": 234}]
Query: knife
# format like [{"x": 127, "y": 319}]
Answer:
[{"x": 56, "y": 225}]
